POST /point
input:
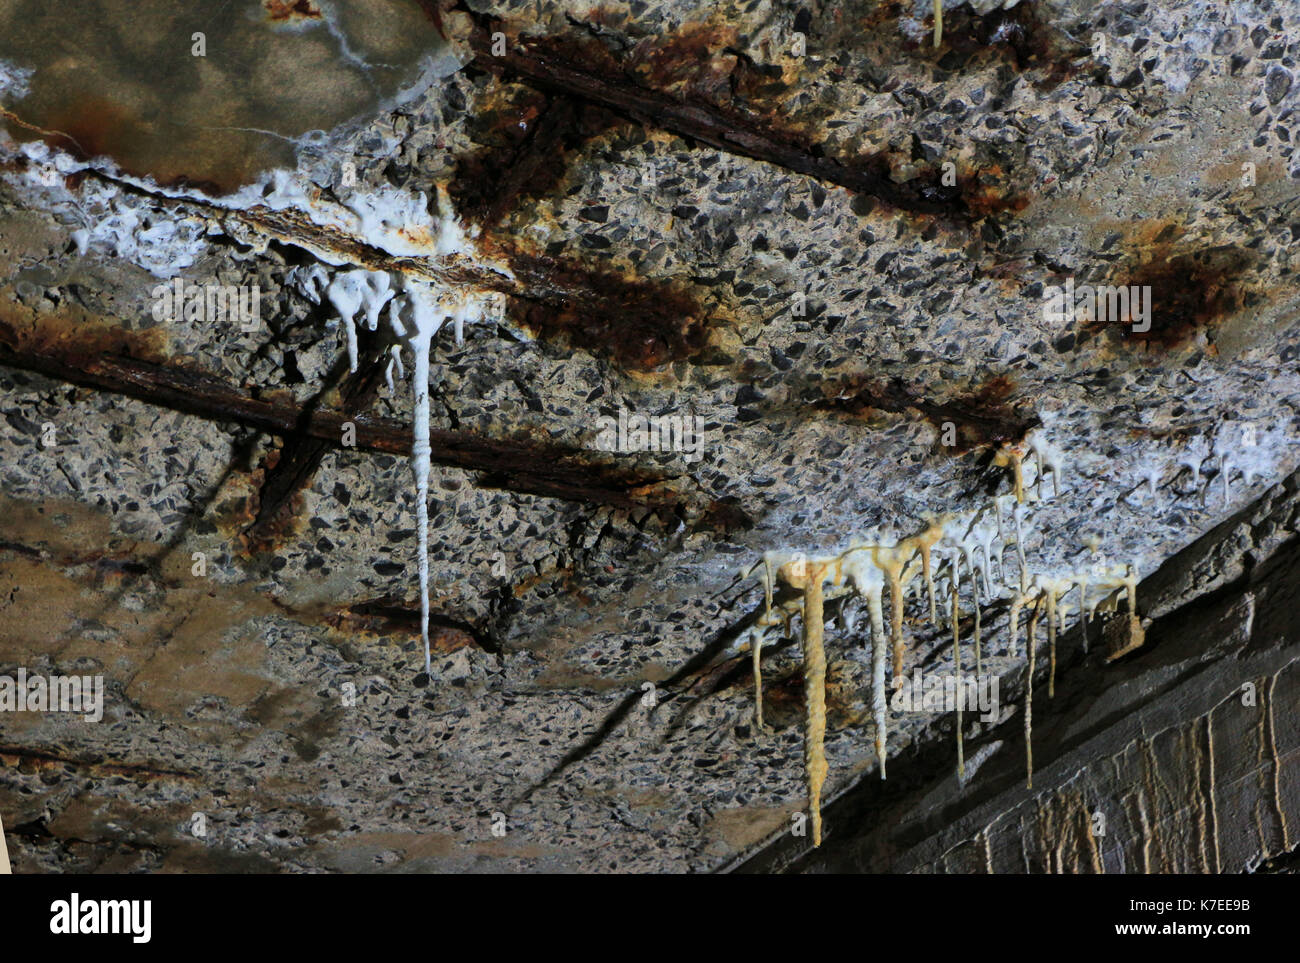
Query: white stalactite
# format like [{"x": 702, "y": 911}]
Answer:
[{"x": 427, "y": 316}]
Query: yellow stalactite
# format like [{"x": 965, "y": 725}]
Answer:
[
  {"x": 926, "y": 541},
  {"x": 891, "y": 562},
  {"x": 814, "y": 680},
  {"x": 1013, "y": 621},
  {"x": 1012, "y": 456}
]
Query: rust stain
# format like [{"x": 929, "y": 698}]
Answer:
[
  {"x": 36, "y": 760},
  {"x": 784, "y": 699},
  {"x": 696, "y": 63},
  {"x": 983, "y": 416},
  {"x": 393, "y": 615},
  {"x": 883, "y": 12},
  {"x": 566, "y": 576},
  {"x": 89, "y": 126},
  {"x": 433, "y": 13},
  {"x": 75, "y": 334},
  {"x": 695, "y": 58},
  {"x": 639, "y": 324},
  {"x": 289, "y": 520},
  {"x": 291, "y": 11},
  {"x": 1191, "y": 294},
  {"x": 528, "y": 138},
  {"x": 234, "y": 512},
  {"x": 696, "y": 84},
  {"x": 1019, "y": 37},
  {"x": 986, "y": 191}
]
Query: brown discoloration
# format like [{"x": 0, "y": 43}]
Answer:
[
  {"x": 1122, "y": 633},
  {"x": 1019, "y": 37},
  {"x": 986, "y": 191},
  {"x": 1192, "y": 294},
  {"x": 723, "y": 516},
  {"x": 697, "y": 59},
  {"x": 205, "y": 640},
  {"x": 637, "y": 323},
  {"x": 742, "y": 828},
  {"x": 884, "y": 11},
  {"x": 565, "y": 574},
  {"x": 983, "y": 416},
  {"x": 391, "y": 615},
  {"x": 527, "y": 145},
  {"x": 517, "y": 465},
  {"x": 38, "y": 760},
  {"x": 62, "y": 533},
  {"x": 657, "y": 84},
  {"x": 290, "y": 11},
  {"x": 784, "y": 700},
  {"x": 74, "y": 334},
  {"x": 90, "y": 127},
  {"x": 216, "y": 648}
]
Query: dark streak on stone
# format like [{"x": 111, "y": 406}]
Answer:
[
  {"x": 1190, "y": 294},
  {"x": 526, "y": 155},
  {"x": 290, "y": 470},
  {"x": 981, "y": 418},
  {"x": 392, "y": 614},
  {"x": 515, "y": 465},
  {"x": 639, "y": 324},
  {"x": 584, "y": 68},
  {"x": 1018, "y": 36}
]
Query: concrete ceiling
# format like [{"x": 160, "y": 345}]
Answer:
[{"x": 837, "y": 255}]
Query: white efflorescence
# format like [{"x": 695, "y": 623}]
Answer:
[
  {"x": 879, "y": 564},
  {"x": 402, "y": 225},
  {"x": 107, "y": 220},
  {"x": 14, "y": 82},
  {"x": 415, "y": 308},
  {"x": 1193, "y": 456},
  {"x": 868, "y": 582},
  {"x": 386, "y": 219},
  {"x": 417, "y": 313},
  {"x": 363, "y": 291}
]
